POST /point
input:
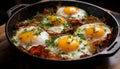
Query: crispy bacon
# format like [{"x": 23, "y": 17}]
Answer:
[
  {"x": 49, "y": 11},
  {"x": 40, "y": 51},
  {"x": 53, "y": 57},
  {"x": 97, "y": 43},
  {"x": 75, "y": 21},
  {"x": 85, "y": 55},
  {"x": 33, "y": 23},
  {"x": 98, "y": 46},
  {"x": 21, "y": 25},
  {"x": 38, "y": 17},
  {"x": 92, "y": 19},
  {"x": 109, "y": 36},
  {"x": 46, "y": 11}
]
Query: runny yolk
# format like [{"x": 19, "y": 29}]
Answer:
[
  {"x": 95, "y": 32},
  {"x": 26, "y": 37},
  {"x": 70, "y": 10},
  {"x": 68, "y": 43},
  {"x": 56, "y": 20}
]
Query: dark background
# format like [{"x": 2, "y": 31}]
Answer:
[{"x": 7, "y": 4}]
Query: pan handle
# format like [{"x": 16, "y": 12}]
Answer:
[
  {"x": 113, "y": 49},
  {"x": 12, "y": 10}
]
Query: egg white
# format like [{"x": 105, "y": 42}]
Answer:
[
  {"x": 39, "y": 39},
  {"x": 54, "y": 29},
  {"x": 81, "y": 30},
  {"x": 79, "y": 15}
]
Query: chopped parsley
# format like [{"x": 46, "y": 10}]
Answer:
[
  {"x": 14, "y": 41},
  {"x": 67, "y": 25},
  {"x": 50, "y": 43},
  {"x": 61, "y": 52},
  {"x": 84, "y": 29},
  {"x": 37, "y": 13},
  {"x": 105, "y": 30},
  {"x": 82, "y": 36},
  {"x": 13, "y": 32},
  {"x": 31, "y": 21},
  {"x": 25, "y": 30},
  {"x": 68, "y": 42},
  {"x": 38, "y": 31},
  {"x": 43, "y": 24}
]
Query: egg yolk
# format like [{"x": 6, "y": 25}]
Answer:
[
  {"x": 26, "y": 37},
  {"x": 95, "y": 32},
  {"x": 68, "y": 43},
  {"x": 56, "y": 20},
  {"x": 70, "y": 10}
]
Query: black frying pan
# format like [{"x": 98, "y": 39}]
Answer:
[{"x": 25, "y": 11}]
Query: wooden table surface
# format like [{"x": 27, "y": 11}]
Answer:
[{"x": 9, "y": 56}]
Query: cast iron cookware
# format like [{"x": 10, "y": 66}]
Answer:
[{"x": 25, "y": 11}]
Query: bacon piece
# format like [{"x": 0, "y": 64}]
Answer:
[
  {"x": 97, "y": 43},
  {"x": 85, "y": 55},
  {"x": 41, "y": 52},
  {"x": 38, "y": 51},
  {"x": 53, "y": 57},
  {"x": 109, "y": 36},
  {"x": 46, "y": 11},
  {"x": 33, "y": 24},
  {"x": 75, "y": 21},
  {"x": 27, "y": 23},
  {"x": 91, "y": 19},
  {"x": 21, "y": 25},
  {"x": 38, "y": 17},
  {"x": 49, "y": 11}
]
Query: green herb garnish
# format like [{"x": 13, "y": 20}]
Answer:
[
  {"x": 14, "y": 41},
  {"x": 38, "y": 31},
  {"x": 82, "y": 36}
]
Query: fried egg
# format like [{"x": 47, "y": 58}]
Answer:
[
  {"x": 30, "y": 36},
  {"x": 93, "y": 31},
  {"x": 69, "y": 47},
  {"x": 72, "y": 12},
  {"x": 54, "y": 24}
]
